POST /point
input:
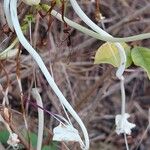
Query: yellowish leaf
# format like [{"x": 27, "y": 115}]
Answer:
[{"x": 108, "y": 53}]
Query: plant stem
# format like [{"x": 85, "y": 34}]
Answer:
[
  {"x": 44, "y": 70},
  {"x": 39, "y": 102},
  {"x": 123, "y": 97},
  {"x": 98, "y": 36},
  {"x": 97, "y": 29},
  {"x": 126, "y": 142},
  {"x": 7, "y": 13}
]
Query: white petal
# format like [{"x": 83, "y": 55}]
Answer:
[
  {"x": 123, "y": 125},
  {"x": 66, "y": 133},
  {"x": 13, "y": 140}
]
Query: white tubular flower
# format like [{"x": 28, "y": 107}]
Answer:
[
  {"x": 13, "y": 140},
  {"x": 67, "y": 133},
  {"x": 32, "y": 2},
  {"x": 123, "y": 125},
  {"x": 50, "y": 80}
]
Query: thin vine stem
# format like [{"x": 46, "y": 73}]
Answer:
[
  {"x": 123, "y": 96},
  {"x": 39, "y": 102},
  {"x": 100, "y": 31},
  {"x": 126, "y": 141},
  {"x": 96, "y": 35},
  {"x": 37, "y": 58}
]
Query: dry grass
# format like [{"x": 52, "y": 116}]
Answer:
[{"x": 92, "y": 89}]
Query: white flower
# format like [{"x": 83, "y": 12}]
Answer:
[
  {"x": 13, "y": 140},
  {"x": 123, "y": 125},
  {"x": 66, "y": 133}
]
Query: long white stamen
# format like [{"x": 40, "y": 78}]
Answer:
[{"x": 37, "y": 58}]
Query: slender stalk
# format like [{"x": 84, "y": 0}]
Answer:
[
  {"x": 39, "y": 102},
  {"x": 98, "y": 36},
  {"x": 123, "y": 60},
  {"x": 123, "y": 96},
  {"x": 86, "y": 19},
  {"x": 122, "y": 54},
  {"x": 81, "y": 28},
  {"x": 126, "y": 142},
  {"x": 7, "y": 13},
  {"x": 30, "y": 31},
  {"x": 37, "y": 58},
  {"x": 5, "y": 95}
]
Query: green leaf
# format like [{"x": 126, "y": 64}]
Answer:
[
  {"x": 141, "y": 57},
  {"x": 32, "y": 138},
  {"x": 4, "y": 135},
  {"x": 58, "y": 2},
  {"x": 29, "y": 18},
  {"x": 108, "y": 53},
  {"x": 52, "y": 146},
  {"x": 45, "y": 7}
]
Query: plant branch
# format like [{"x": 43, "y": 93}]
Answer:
[{"x": 37, "y": 58}]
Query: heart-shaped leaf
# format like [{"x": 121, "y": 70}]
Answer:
[
  {"x": 108, "y": 53},
  {"x": 141, "y": 57}
]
